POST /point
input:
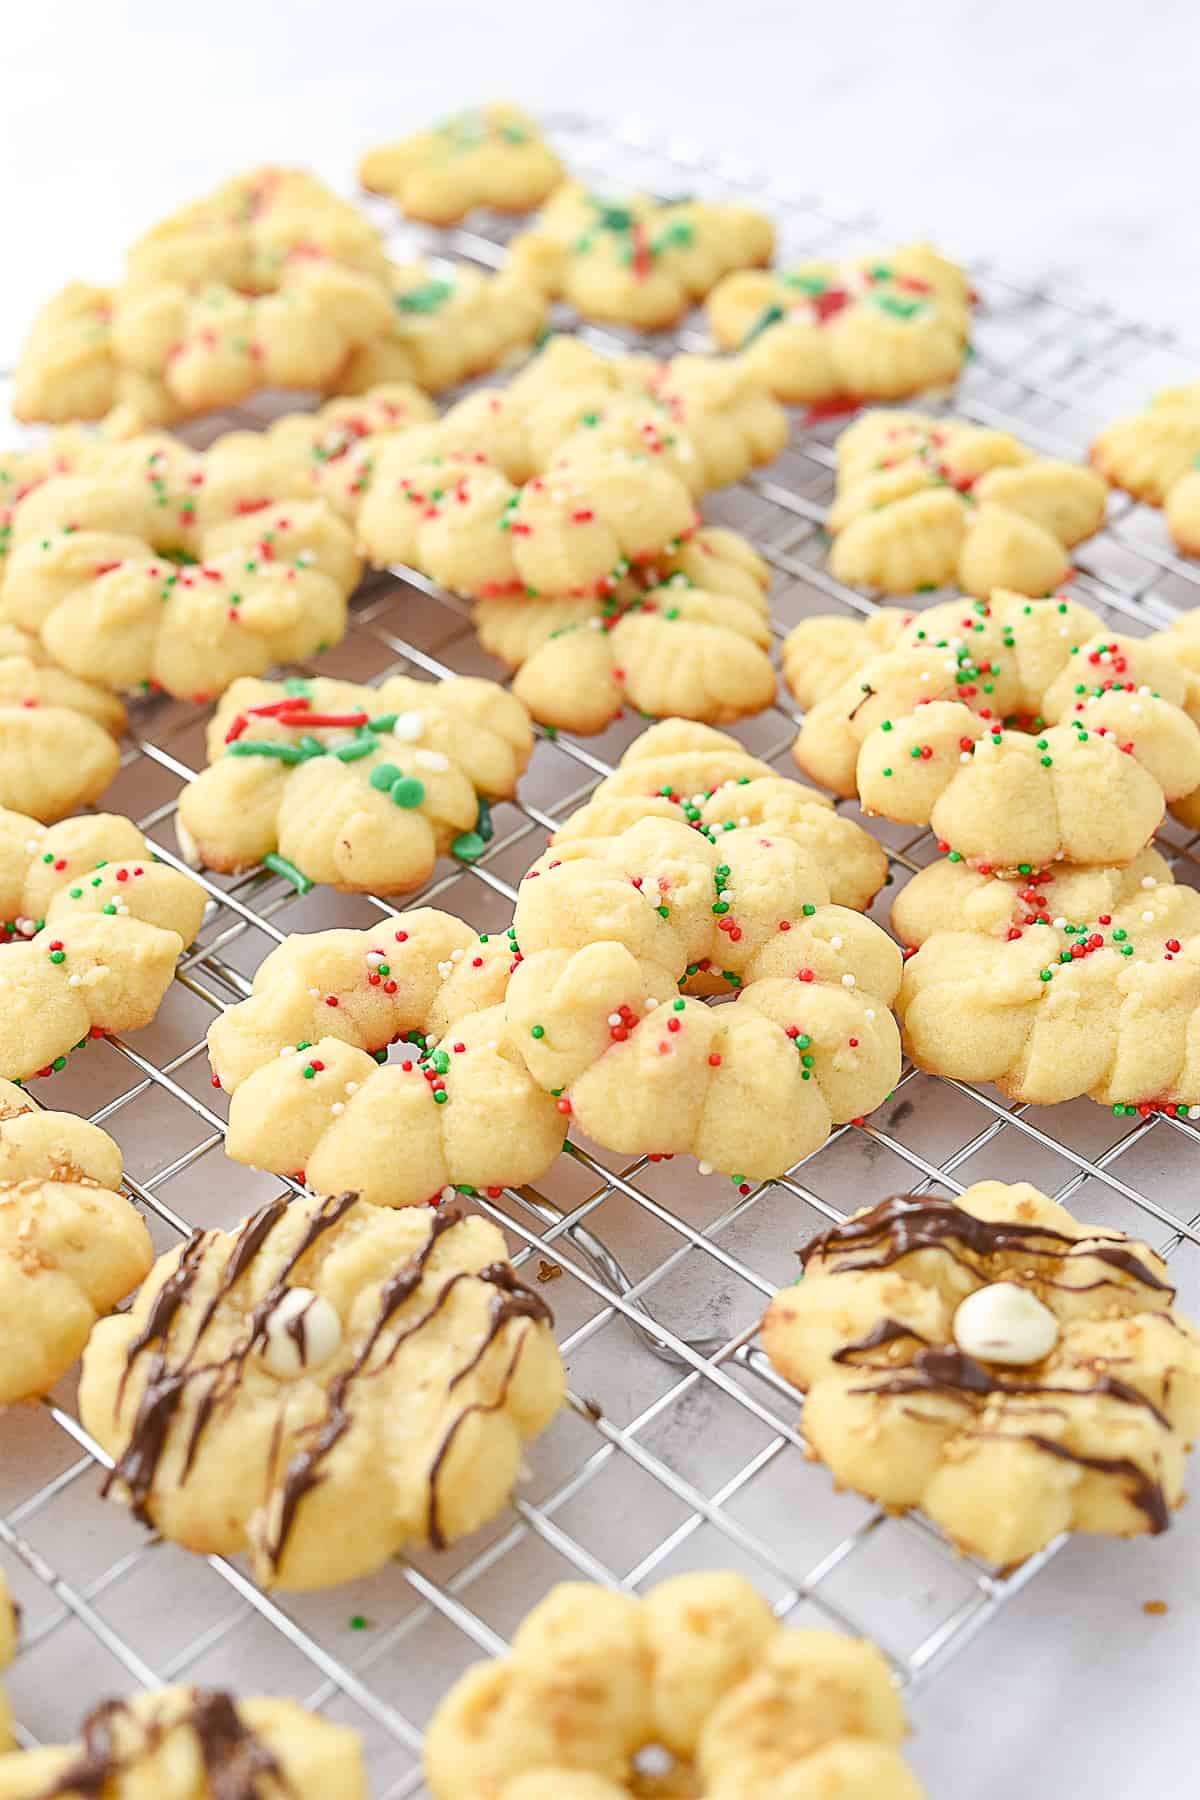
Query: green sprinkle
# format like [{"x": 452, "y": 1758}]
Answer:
[
  {"x": 58, "y": 956},
  {"x": 279, "y": 865},
  {"x": 440, "y": 1097},
  {"x": 383, "y": 776},
  {"x": 468, "y": 847},
  {"x": 408, "y": 792},
  {"x": 1047, "y": 975},
  {"x": 808, "y": 910}
]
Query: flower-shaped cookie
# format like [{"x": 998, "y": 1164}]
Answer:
[
  {"x": 611, "y": 928},
  {"x": 878, "y": 328},
  {"x": 362, "y": 788},
  {"x": 189, "y": 1743},
  {"x": 445, "y": 327},
  {"x": 138, "y": 573},
  {"x": 330, "y": 1383},
  {"x": 689, "y": 773},
  {"x": 636, "y": 261},
  {"x": 492, "y": 156},
  {"x": 71, "y": 1245},
  {"x": 1155, "y": 456},
  {"x": 1078, "y": 981},
  {"x": 695, "y": 647},
  {"x": 93, "y": 927},
  {"x": 927, "y": 502},
  {"x": 699, "y": 1670},
  {"x": 302, "y": 1059},
  {"x": 1014, "y": 1373},
  {"x": 58, "y": 735}
]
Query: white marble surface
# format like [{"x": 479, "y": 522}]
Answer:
[{"x": 1060, "y": 136}]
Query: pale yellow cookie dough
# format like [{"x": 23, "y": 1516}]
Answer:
[
  {"x": 301, "y": 1058},
  {"x": 491, "y": 155},
  {"x": 378, "y": 1375},
  {"x": 188, "y": 1743},
  {"x": 361, "y": 788},
  {"x": 71, "y": 1245},
  {"x": 58, "y": 735},
  {"x": 928, "y": 502},
  {"x": 699, "y": 1669},
  {"x": 635, "y": 260},
  {"x": 446, "y": 327},
  {"x": 679, "y": 770},
  {"x": 93, "y": 926},
  {"x": 1012, "y": 1372},
  {"x": 1080, "y": 981},
  {"x": 1149, "y": 453},
  {"x": 877, "y": 328}
]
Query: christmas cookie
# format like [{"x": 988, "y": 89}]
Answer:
[
  {"x": 58, "y": 735},
  {"x": 492, "y": 156},
  {"x": 1078, "y": 981},
  {"x": 445, "y": 327},
  {"x": 159, "y": 568},
  {"x": 71, "y": 1246},
  {"x": 325, "y": 1386},
  {"x": 94, "y": 925},
  {"x": 611, "y": 929},
  {"x": 687, "y": 772},
  {"x": 927, "y": 502},
  {"x": 1010, "y": 1371},
  {"x": 699, "y": 1670},
  {"x": 695, "y": 647},
  {"x": 1155, "y": 456},
  {"x": 636, "y": 261},
  {"x": 188, "y": 1743},
  {"x": 362, "y": 788},
  {"x": 302, "y": 1058},
  {"x": 878, "y": 328}
]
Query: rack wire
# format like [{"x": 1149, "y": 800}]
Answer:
[{"x": 680, "y": 1447}]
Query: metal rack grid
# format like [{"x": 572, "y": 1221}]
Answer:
[{"x": 680, "y": 1447}]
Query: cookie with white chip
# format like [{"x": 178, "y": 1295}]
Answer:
[
  {"x": 491, "y": 155},
  {"x": 93, "y": 926},
  {"x": 190, "y": 1743},
  {"x": 323, "y": 1387},
  {"x": 305, "y": 1059},
  {"x": 71, "y": 1245},
  {"x": 829, "y": 333},
  {"x": 360, "y": 788},
  {"x": 700, "y": 1668},
  {"x": 928, "y": 502},
  {"x": 1010, "y": 1371}
]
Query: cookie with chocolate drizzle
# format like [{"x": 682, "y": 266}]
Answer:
[
  {"x": 324, "y": 1387},
  {"x": 194, "y": 1744},
  {"x": 1010, "y": 1371}
]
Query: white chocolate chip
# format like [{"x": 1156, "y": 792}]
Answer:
[
  {"x": 302, "y": 1331},
  {"x": 409, "y": 727},
  {"x": 1005, "y": 1323}
]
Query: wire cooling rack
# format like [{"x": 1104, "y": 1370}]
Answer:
[{"x": 680, "y": 1447}]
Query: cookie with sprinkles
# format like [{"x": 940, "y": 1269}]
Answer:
[
  {"x": 830, "y": 333},
  {"x": 324, "y": 1387},
  {"x": 93, "y": 925},
  {"x": 698, "y": 1669},
  {"x": 191, "y": 1743},
  {"x": 1055, "y": 984},
  {"x": 444, "y": 327},
  {"x": 491, "y": 156},
  {"x": 694, "y": 646},
  {"x": 359, "y": 788},
  {"x": 636, "y": 260},
  {"x": 71, "y": 1245},
  {"x": 1155, "y": 456},
  {"x": 927, "y": 502},
  {"x": 622, "y": 936},
  {"x": 991, "y": 1360},
  {"x": 689, "y": 773}
]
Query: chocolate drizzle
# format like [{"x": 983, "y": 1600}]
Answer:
[
  {"x": 907, "y": 1223},
  {"x": 888, "y": 1331},
  {"x": 236, "y": 1760}
]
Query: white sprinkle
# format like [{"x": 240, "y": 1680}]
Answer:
[
  {"x": 925, "y": 674},
  {"x": 447, "y": 1193},
  {"x": 614, "y": 1018},
  {"x": 651, "y": 1003},
  {"x": 1059, "y": 922},
  {"x": 338, "y": 1108},
  {"x": 1147, "y": 918},
  {"x": 444, "y": 969},
  {"x": 432, "y": 759},
  {"x": 409, "y": 727},
  {"x": 352, "y": 1087},
  {"x": 1136, "y": 709},
  {"x": 847, "y": 981},
  {"x": 743, "y": 822},
  {"x": 456, "y": 956},
  {"x": 1148, "y": 881},
  {"x": 74, "y": 980},
  {"x": 837, "y": 942},
  {"x": 33, "y": 846},
  {"x": 288, "y": 1050},
  {"x": 1106, "y": 656},
  {"x": 315, "y": 992},
  {"x": 870, "y": 1012},
  {"x": 964, "y": 756},
  {"x": 704, "y": 1168},
  {"x": 1143, "y": 690},
  {"x": 375, "y": 957}
]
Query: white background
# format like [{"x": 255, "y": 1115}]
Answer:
[{"x": 1062, "y": 137}]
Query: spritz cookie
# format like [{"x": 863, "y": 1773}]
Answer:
[
  {"x": 445, "y": 326},
  {"x": 636, "y": 261},
  {"x": 71, "y": 1245},
  {"x": 1010, "y": 1371},
  {"x": 491, "y": 155},
  {"x": 94, "y": 925},
  {"x": 305, "y": 1060},
  {"x": 361, "y": 788},
  {"x": 323, "y": 1387},
  {"x": 58, "y": 735},
  {"x": 188, "y": 1743},
  {"x": 928, "y": 502},
  {"x": 877, "y": 328},
  {"x": 1075, "y": 981},
  {"x": 701, "y": 1671}
]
